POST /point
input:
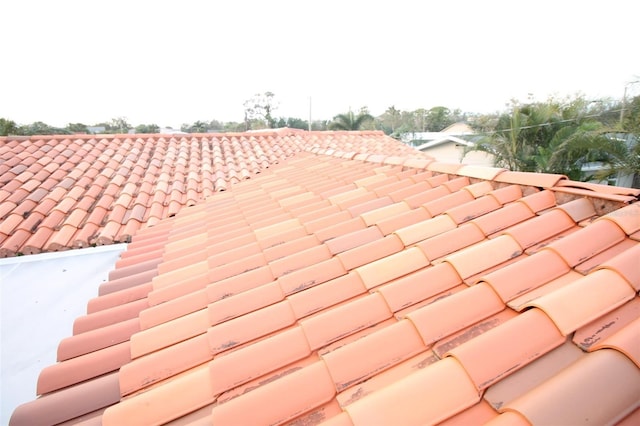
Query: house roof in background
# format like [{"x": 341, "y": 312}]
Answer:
[
  {"x": 365, "y": 288},
  {"x": 458, "y": 129},
  {"x": 443, "y": 140},
  {"x": 61, "y": 192}
]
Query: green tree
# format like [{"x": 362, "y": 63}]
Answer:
[
  {"x": 420, "y": 120},
  {"x": 622, "y": 156},
  {"x": 518, "y": 136},
  {"x": 319, "y": 125},
  {"x": 438, "y": 118},
  {"x": 8, "y": 127},
  {"x": 233, "y": 126},
  {"x": 41, "y": 128},
  {"x": 147, "y": 128},
  {"x": 77, "y": 128},
  {"x": 259, "y": 109},
  {"x": 197, "y": 127},
  {"x": 620, "y": 151},
  {"x": 215, "y": 126},
  {"x": 571, "y": 147},
  {"x": 561, "y": 137},
  {"x": 292, "y": 123},
  {"x": 350, "y": 121},
  {"x": 119, "y": 125},
  {"x": 631, "y": 116},
  {"x": 390, "y": 120}
]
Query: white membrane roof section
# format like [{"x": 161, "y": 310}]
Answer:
[{"x": 40, "y": 297}]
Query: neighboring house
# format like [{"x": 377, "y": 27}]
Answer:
[
  {"x": 619, "y": 179},
  {"x": 449, "y": 145},
  {"x": 96, "y": 130},
  {"x": 293, "y": 277},
  {"x": 172, "y": 131}
]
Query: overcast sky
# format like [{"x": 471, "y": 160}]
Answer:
[{"x": 174, "y": 62}]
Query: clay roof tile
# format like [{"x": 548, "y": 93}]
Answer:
[{"x": 352, "y": 280}]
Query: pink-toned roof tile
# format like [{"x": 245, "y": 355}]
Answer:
[
  {"x": 179, "y": 161},
  {"x": 353, "y": 281}
]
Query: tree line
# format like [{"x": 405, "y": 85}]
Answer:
[
  {"x": 260, "y": 113},
  {"x": 550, "y": 136},
  {"x": 115, "y": 125}
]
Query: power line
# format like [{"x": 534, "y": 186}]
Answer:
[{"x": 568, "y": 120}]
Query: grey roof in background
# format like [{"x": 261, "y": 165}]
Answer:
[{"x": 40, "y": 297}]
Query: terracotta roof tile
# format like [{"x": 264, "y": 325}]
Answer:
[
  {"x": 402, "y": 401},
  {"x": 601, "y": 291},
  {"x": 482, "y": 256},
  {"x": 352, "y": 281},
  {"x": 579, "y": 246},
  {"x": 529, "y": 179},
  {"x": 358, "y": 361},
  {"x": 517, "y": 384},
  {"x": 53, "y": 408},
  {"x": 608, "y": 394},
  {"x": 367, "y": 251},
  {"x": 624, "y": 341},
  {"x": 422, "y": 230},
  {"x": 327, "y": 327},
  {"x": 393, "y": 266},
  {"x": 532, "y": 332},
  {"x": 540, "y": 228}
]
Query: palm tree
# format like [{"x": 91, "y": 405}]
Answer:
[
  {"x": 391, "y": 117},
  {"x": 623, "y": 158},
  {"x": 571, "y": 147},
  {"x": 554, "y": 138},
  {"x": 349, "y": 121},
  {"x": 7, "y": 127},
  {"x": 617, "y": 152},
  {"x": 520, "y": 138},
  {"x": 511, "y": 145}
]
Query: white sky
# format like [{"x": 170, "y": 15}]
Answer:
[{"x": 174, "y": 62}]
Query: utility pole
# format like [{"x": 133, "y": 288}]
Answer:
[{"x": 309, "y": 113}]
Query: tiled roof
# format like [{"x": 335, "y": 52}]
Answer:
[
  {"x": 343, "y": 288},
  {"x": 62, "y": 192}
]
